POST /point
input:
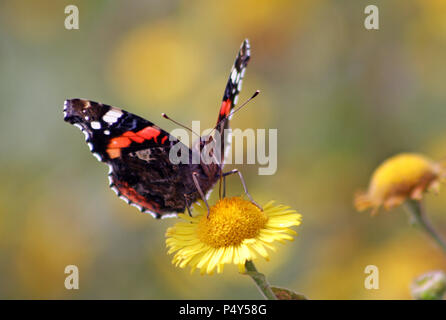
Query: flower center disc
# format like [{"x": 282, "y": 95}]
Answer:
[{"x": 231, "y": 221}]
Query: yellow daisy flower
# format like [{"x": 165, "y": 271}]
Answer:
[
  {"x": 404, "y": 176},
  {"x": 236, "y": 231}
]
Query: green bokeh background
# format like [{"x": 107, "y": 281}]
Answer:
[{"x": 342, "y": 98}]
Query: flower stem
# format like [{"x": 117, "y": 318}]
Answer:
[
  {"x": 419, "y": 218},
  {"x": 260, "y": 280}
]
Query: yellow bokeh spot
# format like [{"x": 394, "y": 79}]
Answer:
[
  {"x": 231, "y": 221},
  {"x": 153, "y": 64}
]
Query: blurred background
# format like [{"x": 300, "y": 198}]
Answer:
[{"x": 343, "y": 99}]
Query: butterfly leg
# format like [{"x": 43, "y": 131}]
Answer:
[
  {"x": 197, "y": 185},
  {"x": 222, "y": 190},
  {"x": 222, "y": 185},
  {"x": 187, "y": 205},
  {"x": 244, "y": 186}
]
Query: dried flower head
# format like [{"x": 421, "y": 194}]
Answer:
[{"x": 404, "y": 176}]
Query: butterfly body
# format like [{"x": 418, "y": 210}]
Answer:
[{"x": 138, "y": 152}]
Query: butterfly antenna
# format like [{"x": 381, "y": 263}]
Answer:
[
  {"x": 244, "y": 103},
  {"x": 235, "y": 110},
  {"x": 165, "y": 116}
]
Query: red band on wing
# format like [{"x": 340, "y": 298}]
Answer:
[
  {"x": 119, "y": 142},
  {"x": 133, "y": 137},
  {"x": 149, "y": 133},
  {"x": 125, "y": 140},
  {"x": 135, "y": 197},
  {"x": 225, "y": 107}
]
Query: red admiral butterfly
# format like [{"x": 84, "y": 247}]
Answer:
[{"x": 137, "y": 151}]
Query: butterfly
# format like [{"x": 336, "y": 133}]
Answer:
[{"x": 137, "y": 151}]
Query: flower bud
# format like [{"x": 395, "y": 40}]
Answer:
[{"x": 429, "y": 286}]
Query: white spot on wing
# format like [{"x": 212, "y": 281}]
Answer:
[
  {"x": 112, "y": 116},
  {"x": 124, "y": 199},
  {"x": 169, "y": 215},
  {"x": 97, "y": 156},
  {"x": 136, "y": 206},
  {"x": 95, "y": 125},
  {"x": 233, "y": 75},
  {"x": 109, "y": 119},
  {"x": 85, "y": 134},
  {"x": 238, "y": 77},
  {"x": 115, "y": 113},
  {"x": 153, "y": 214},
  {"x": 115, "y": 190}
]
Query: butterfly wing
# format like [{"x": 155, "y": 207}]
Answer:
[
  {"x": 137, "y": 153},
  {"x": 234, "y": 84},
  {"x": 232, "y": 90}
]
